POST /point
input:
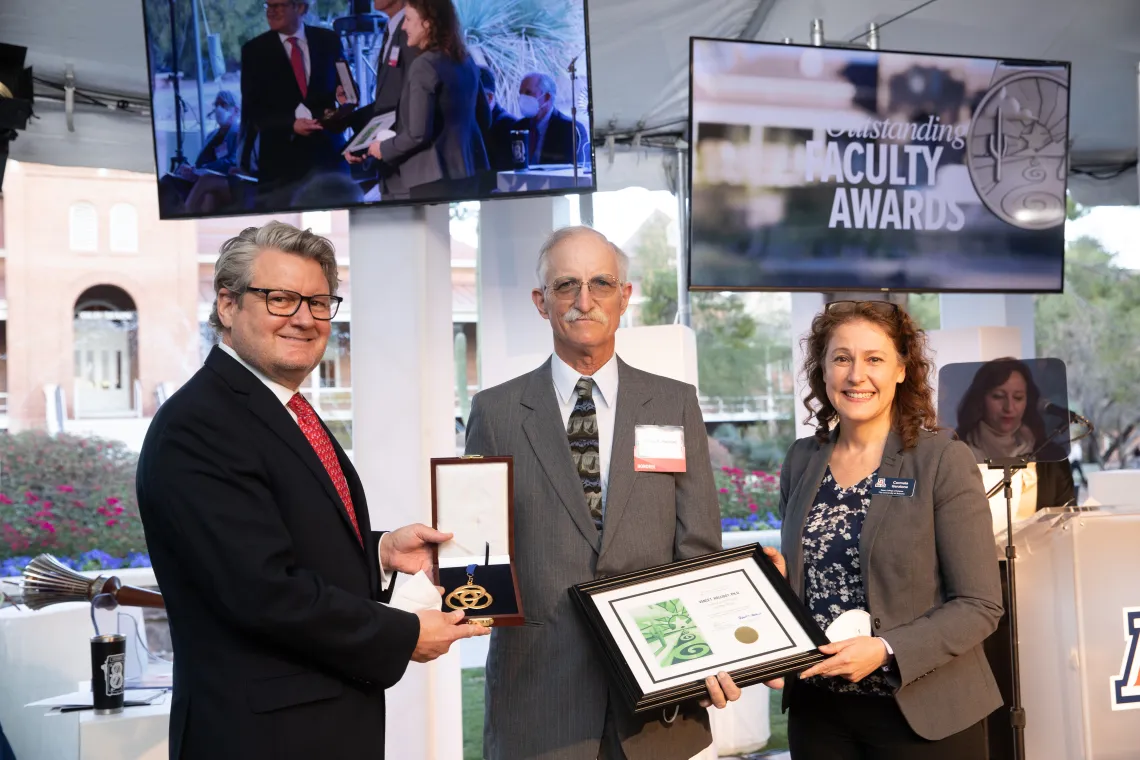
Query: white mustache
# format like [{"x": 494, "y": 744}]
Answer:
[{"x": 594, "y": 315}]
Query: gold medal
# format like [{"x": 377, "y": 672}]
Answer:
[{"x": 470, "y": 596}]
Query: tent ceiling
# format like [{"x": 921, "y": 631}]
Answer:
[{"x": 639, "y": 57}]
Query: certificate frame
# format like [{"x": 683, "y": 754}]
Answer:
[
  {"x": 378, "y": 128},
  {"x": 611, "y": 607}
]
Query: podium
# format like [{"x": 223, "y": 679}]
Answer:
[{"x": 1078, "y": 580}]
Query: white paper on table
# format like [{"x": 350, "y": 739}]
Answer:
[{"x": 417, "y": 593}]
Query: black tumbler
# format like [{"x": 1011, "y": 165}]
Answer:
[
  {"x": 108, "y": 672},
  {"x": 520, "y": 148}
]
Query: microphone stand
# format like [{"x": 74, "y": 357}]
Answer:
[
  {"x": 178, "y": 159},
  {"x": 573, "y": 69}
]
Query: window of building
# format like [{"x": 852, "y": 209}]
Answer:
[
  {"x": 83, "y": 226},
  {"x": 124, "y": 228}
]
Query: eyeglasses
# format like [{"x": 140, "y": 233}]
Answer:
[
  {"x": 601, "y": 287},
  {"x": 285, "y": 303},
  {"x": 882, "y": 308}
]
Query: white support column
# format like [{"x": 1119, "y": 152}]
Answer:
[
  {"x": 513, "y": 339},
  {"x": 961, "y": 310},
  {"x": 804, "y": 308},
  {"x": 403, "y": 414}
]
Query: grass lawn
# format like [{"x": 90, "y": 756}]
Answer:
[{"x": 473, "y": 717}]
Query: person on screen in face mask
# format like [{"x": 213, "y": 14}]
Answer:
[
  {"x": 186, "y": 188},
  {"x": 551, "y": 131}
]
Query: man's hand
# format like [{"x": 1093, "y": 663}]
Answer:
[
  {"x": 341, "y": 97},
  {"x": 777, "y": 560},
  {"x": 306, "y": 127},
  {"x": 439, "y": 630},
  {"x": 722, "y": 690},
  {"x": 853, "y": 659},
  {"x": 408, "y": 549}
]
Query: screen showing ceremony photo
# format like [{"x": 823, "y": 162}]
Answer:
[
  {"x": 284, "y": 106},
  {"x": 835, "y": 169}
]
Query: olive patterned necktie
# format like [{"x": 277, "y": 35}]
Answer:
[{"x": 582, "y": 430}]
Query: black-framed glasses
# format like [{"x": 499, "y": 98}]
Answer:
[
  {"x": 285, "y": 303},
  {"x": 601, "y": 287},
  {"x": 882, "y": 308}
]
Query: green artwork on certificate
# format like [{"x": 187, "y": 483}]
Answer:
[{"x": 669, "y": 629}]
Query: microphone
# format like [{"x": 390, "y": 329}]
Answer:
[{"x": 1045, "y": 406}]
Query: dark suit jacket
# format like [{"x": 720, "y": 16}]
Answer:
[
  {"x": 558, "y": 145},
  {"x": 389, "y": 80},
  {"x": 269, "y": 100},
  {"x": 440, "y": 122},
  {"x": 281, "y": 649},
  {"x": 226, "y": 145},
  {"x": 498, "y": 139},
  {"x": 547, "y": 686},
  {"x": 928, "y": 569}
]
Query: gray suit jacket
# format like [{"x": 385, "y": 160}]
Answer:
[
  {"x": 929, "y": 570},
  {"x": 547, "y": 686},
  {"x": 439, "y": 124}
]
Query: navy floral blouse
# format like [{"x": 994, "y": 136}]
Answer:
[{"x": 833, "y": 583}]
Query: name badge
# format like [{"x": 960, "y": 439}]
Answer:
[
  {"x": 659, "y": 448},
  {"x": 394, "y": 56},
  {"x": 893, "y": 487}
]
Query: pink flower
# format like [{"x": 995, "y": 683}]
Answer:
[
  {"x": 47, "y": 526},
  {"x": 112, "y": 501},
  {"x": 4, "y": 499},
  {"x": 112, "y": 522},
  {"x": 31, "y": 497},
  {"x": 104, "y": 511},
  {"x": 118, "y": 510},
  {"x": 724, "y": 490},
  {"x": 65, "y": 489},
  {"x": 752, "y": 507}
]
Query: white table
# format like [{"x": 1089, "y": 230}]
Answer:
[{"x": 544, "y": 177}]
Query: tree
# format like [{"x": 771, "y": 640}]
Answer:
[{"x": 1094, "y": 327}]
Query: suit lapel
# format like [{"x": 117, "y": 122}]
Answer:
[
  {"x": 634, "y": 395},
  {"x": 799, "y": 504},
  {"x": 547, "y": 436},
  {"x": 889, "y": 467}
]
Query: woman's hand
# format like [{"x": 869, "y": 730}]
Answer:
[
  {"x": 852, "y": 659},
  {"x": 352, "y": 159},
  {"x": 777, "y": 560},
  {"x": 722, "y": 690},
  {"x": 374, "y": 150}
]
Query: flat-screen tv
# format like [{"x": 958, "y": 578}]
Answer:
[
  {"x": 283, "y": 106},
  {"x": 835, "y": 169}
]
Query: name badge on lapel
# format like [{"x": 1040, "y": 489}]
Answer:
[
  {"x": 893, "y": 487},
  {"x": 659, "y": 448},
  {"x": 394, "y": 55}
]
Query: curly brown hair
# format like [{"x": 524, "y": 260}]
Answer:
[
  {"x": 444, "y": 32},
  {"x": 913, "y": 408}
]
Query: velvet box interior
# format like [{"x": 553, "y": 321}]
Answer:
[{"x": 472, "y": 498}]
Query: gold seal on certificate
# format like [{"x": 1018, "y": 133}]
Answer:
[{"x": 667, "y": 629}]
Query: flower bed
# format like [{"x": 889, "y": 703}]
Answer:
[{"x": 748, "y": 500}]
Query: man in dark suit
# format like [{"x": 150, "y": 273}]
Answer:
[
  {"x": 551, "y": 131},
  {"x": 392, "y": 63},
  {"x": 288, "y": 82},
  {"x": 260, "y": 535},
  {"x": 498, "y": 137}
]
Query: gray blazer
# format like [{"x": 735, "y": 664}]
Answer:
[
  {"x": 439, "y": 124},
  {"x": 547, "y": 686},
  {"x": 929, "y": 570}
]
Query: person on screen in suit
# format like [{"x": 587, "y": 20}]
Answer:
[
  {"x": 195, "y": 188},
  {"x": 498, "y": 136},
  {"x": 551, "y": 131},
  {"x": 393, "y": 61},
  {"x": 288, "y": 82},
  {"x": 882, "y": 513},
  {"x": 581, "y": 512},
  {"x": 437, "y": 151},
  {"x": 260, "y": 534}
]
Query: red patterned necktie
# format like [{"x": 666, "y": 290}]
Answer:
[
  {"x": 319, "y": 439},
  {"x": 298, "y": 62}
]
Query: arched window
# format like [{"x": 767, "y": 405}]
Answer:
[
  {"x": 83, "y": 224},
  {"x": 124, "y": 228}
]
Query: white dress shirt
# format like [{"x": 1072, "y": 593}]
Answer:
[
  {"x": 605, "y": 401},
  {"x": 302, "y": 111},
  {"x": 283, "y": 395}
]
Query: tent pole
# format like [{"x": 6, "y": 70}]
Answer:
[
  {"x": 684, "y": 311},
  {"x": 201, "y": 79}
]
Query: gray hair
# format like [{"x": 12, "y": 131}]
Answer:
[
  {"x": 545, "y": 83},
  {"x": 560, "y": 236},
  {"x": 234, "y": 268}
]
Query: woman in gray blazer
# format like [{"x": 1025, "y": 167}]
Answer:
[
  {"x": 883, "y": 515},
  {"x": 437, "y": 151}
]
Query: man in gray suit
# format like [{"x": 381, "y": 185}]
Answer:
[{"x": 581, "y": 512}]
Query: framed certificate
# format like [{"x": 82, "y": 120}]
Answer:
[
  {"x": 379, "y": 128},
  {"x": 665, "y": 629}
]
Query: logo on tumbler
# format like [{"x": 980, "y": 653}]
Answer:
[
  {"x": 1126, "y": 686},
  {"x": 113, "y": 668}
]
